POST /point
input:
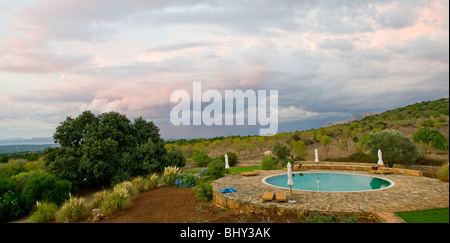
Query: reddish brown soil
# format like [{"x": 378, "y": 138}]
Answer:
[{"x": 178, "y": 205}]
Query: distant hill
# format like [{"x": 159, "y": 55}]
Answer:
[
  {"x": 25, "y": 148},
  {"x": 26, "y": 141},
  {"x": 24, "y": 145},
  {"x": 354, "y": 117}
]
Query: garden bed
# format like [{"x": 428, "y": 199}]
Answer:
[{"x": 180, "y": 205}]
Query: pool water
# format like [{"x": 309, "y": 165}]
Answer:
[{"x": 330, "y": 182}]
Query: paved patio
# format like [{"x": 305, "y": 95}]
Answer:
[{"x": 410, "y": 193}]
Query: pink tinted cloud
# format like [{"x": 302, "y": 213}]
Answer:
[{"x": 430, "y": 20}]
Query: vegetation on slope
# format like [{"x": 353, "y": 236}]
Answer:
[{"x": 339, "y": 141}]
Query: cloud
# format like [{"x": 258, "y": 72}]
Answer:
[
  {"x": 338, "y": 44},
  {"x": 424, "y": 48},
  {"x": 326, "y": 59},
  {"x": 292, "y": 113},
  {"x": 180, "y": 46}
]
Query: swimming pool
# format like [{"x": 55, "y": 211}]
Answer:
[{"x": 330, "y": 182}]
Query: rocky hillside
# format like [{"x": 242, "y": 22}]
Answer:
[{"x": 354, "y": 117}]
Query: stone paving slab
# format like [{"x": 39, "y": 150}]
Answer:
[
  {"x": 389, "y": 217},
  {"x": 410, "y": 193}
]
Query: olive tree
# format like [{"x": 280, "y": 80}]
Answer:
[{"x": 395, "y": 147}]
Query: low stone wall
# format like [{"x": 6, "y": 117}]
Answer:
[
  {"x": 356, "y": 167},
  {"x": 246, "y": 163},
  {"x": 191, "y": 165},
  {"x": 233, "y": 203}
]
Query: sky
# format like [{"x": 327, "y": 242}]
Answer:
[{"x": 327, "y": 59}]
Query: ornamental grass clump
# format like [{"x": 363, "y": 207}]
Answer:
[
  {"x": 169, "y": 175},
  {"x": 115, "y": 200},
  {"x": 100, "y": 197},
  {"x": 44, "y": 212},
  {"x": 153, "y": 181},
  {"x": 71, "y": 210},
  {"x": 140, "y": 183},
  {"x": 132, "y": 189}
]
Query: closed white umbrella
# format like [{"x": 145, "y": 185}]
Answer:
[
  {"x": 227, "y": 166},
  {"x": 290, "y": 182},
  {"x": 380, "y": 159},
  {"x": 317, "y": 156}
]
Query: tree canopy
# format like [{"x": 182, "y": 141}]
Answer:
[{"x": 108, "y": 148}]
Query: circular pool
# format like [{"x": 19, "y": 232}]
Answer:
[{"x": 330, "y": 182}]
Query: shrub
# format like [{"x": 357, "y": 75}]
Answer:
[
  {"x": 45, "y": 187},
  {"x": 44, "y": 212},
  {"x": 23, "y": 177},
  {"x": 204, "y": 189},
  {"x": 186, "y": 180},
  {"x": 203, "y": 172},
  {"x": 201, "y": 158},
  {"x": 355, "y": 157},
  {"x": 176, "y": 158},
  {"x": 71, "y": 210},
  {"x": 281, "y": 151},
  {"x": 216, "y": 169},
  {"x": 169, "y": 175},
  {"x": 284, "y": 162},
  {"x": 361, "y": 157},
  {"x": 315, "y": 217},
  {"x": 442, "y": 173},
  {"x": 300, "y": 150},
  {"x": 11, "y": 202},
  {"x": 433, "y": 137},
  {"x": 232, "y": 158},
  {"x": 12, "y": 168},
  {"x": 395, "y": 147},
  {"x": 268, "y": 163}
]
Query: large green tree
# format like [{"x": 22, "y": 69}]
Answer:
[
  {"x": 108, "y": 148},
  {"x": 394, "y": 145}
]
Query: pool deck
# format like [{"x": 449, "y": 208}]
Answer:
[{"x": 410, "y": 193}]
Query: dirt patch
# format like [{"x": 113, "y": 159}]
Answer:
[{"x": 179, "y": 205}]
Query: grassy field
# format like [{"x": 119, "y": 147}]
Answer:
[{"x": 428, "y": 216}]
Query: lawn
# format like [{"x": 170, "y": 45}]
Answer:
[
  {"x": 232, "y": 170},
  {"x": 427, "y": 216}
]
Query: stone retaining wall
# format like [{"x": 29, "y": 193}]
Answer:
[
  {"x": 358, "y": 167},
  {"x": 233, "y": 203}
]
